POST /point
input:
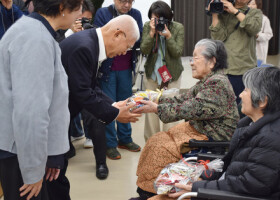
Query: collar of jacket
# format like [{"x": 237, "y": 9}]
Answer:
[
  {"x": 221, "y": 72},
  {"x": 253, "y": 128}
]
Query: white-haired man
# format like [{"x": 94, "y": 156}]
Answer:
[{"x": 82, "y": 53}]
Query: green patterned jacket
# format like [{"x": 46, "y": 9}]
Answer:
[{"x": 209, "y": 106}]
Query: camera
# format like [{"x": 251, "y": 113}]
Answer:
[
  {"x": 86, "y": 23},
  {"x": 217, "y": 6},
  {"x": 160, "y": 24}
]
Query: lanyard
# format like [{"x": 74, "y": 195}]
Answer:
[{"x": 162, "y": 52}]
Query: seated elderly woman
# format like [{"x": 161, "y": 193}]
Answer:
[
  {"x": 209, "y": 109},
  {"x": 252, "y": 165}
]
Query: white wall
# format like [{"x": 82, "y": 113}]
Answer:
[{"x": 142, "y": 5}]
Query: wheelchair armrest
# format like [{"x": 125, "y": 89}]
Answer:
[
  {"x": 223, "y": 195},
  {"x": 203, "y": 143},
  {"x": 209, "y": 156}
]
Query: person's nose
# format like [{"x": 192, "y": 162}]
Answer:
[{"x": 127, "y": 5}]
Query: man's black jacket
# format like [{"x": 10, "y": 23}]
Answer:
[{"x": 80, "y": 54}]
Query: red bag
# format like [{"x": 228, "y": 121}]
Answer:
[{"x": 165, "y": 74}]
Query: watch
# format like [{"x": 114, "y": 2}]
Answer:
[{"x": 237, "y": 13}]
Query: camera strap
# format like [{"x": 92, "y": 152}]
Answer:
[
  {"x": 162, "y": 52},
  {"x": 113, "y": 11},
  {"x": 237, "y": 25}
]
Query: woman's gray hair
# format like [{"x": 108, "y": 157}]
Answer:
[
  {"x": 214, "y": 48},
  {"x": 264, "y": 82}
]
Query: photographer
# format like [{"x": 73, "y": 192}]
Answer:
[
  {"x": 84, "y": 19},
  {"x": 237, "y": 28},
  {"x": 163, "y": 43},
  {"x": 9, "y": 13}
]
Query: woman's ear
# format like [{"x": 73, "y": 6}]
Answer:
[
  {"x": 263, "y": 104},
  {"x": 61, "y": 8},
  {"x": 213, "y": 62}
]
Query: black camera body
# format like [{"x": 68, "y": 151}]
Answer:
[
  {"x": 86, "y": 24},
  {"x": 160, "y": 24},
  {"x": 217, "y": 6}
]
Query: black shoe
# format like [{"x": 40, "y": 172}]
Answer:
[{"x": 102, "y": 171}]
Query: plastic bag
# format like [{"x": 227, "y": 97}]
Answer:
[
  {"x": 183, "y": 172},
  {"x": 150, "y": 95},
  {"x": 170, "y": 92}
]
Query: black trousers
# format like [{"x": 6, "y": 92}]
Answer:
[
  {"x": 59, "y": 189},
  {"x": 96, "y": 132},
  {"x": 237, "y": 85},
  {"x": 11, "y": 180}
]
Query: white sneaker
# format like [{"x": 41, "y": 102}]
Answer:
[
  {"x": 77, "y": 138},
  {"x": 88, "y": 143}
]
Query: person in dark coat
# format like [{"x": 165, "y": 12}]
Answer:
[
  {"x": 252, "y": 166},
  {"x": 82, "y": 54}
]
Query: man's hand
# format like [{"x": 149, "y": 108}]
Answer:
[
  {"x": 228, "y": 6},
  {"x": 120, "y": 104},
  {"x": 7, "y": 4},
  {"x": 33, "y": 189},
  {"x": 149, "y": 107},
  {"x": 125, "y": 116},
  {"x": 52, "y": 174},
  {"x": 185, "y": 189}
]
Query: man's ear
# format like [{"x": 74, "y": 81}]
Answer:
[{"x": 117, "y": 34}]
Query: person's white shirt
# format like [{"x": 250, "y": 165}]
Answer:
[
  {"x": 263, "y": 39},
  {"x": 68, "y": 33}
]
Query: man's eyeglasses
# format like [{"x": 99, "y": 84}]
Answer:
[{"x": 127, "y": 1}]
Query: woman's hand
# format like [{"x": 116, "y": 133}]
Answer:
[
  {"x": 77, "y": 26},
  {"x": 7, "y": 4},
  {"x": 185, "y": 189},
  {"x": 52, "y": 174},
  {"x": 153, "y": 28},
  {"x": 166, "y": 33},
  {"x": 33, "y": 189},
  {"x": 149, "y": 107}
]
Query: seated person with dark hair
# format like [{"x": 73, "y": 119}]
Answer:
[
  {"x": 209, "y": 109},
  {"x": 252, "y": 163}
]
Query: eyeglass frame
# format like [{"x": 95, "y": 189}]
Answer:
[{"x": 192, "y": 59}]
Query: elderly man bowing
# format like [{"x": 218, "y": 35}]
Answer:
[{"x": 82, "y": 54}]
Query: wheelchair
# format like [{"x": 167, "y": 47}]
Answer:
[{"x": 210, "y": 150}]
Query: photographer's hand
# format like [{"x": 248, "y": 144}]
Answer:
[
  {"x": 7, "y": 4},
  {"x": 215, "y": 19},
  {"x": 228, "y": 6},
  {"x": 166, "y": 33},
  {"x": 77, "y": 26},
  {"x": 233, "y": 10},
  {"x": 153, "y": 28}
]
